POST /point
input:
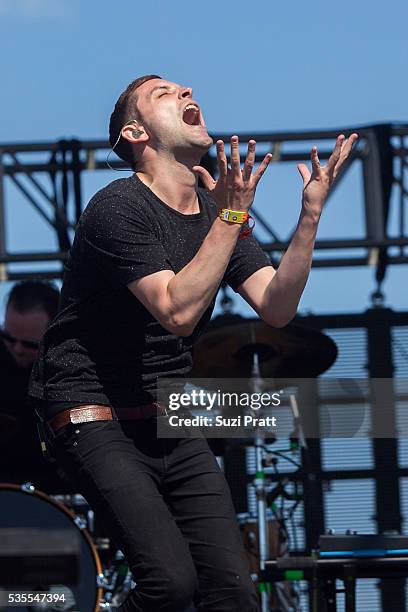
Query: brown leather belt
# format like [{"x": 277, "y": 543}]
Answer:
[{"x": 93, "y": 412}]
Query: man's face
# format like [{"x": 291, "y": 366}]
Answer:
[
  {"x": 172, "y": 118},
  {"x": 21, "y": 329}
]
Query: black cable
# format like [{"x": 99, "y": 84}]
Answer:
[{"x": 280, "y": 454}]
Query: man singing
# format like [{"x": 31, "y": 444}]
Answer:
[{"x": 149, "y": 255}]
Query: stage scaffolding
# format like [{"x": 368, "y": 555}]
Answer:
[{"x": 48, "y": 176}]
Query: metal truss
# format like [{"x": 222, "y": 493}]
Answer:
[{"x": 49, "y": 175}]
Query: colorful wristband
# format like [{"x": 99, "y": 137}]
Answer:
[
  {"x": 233, "y": 216},
  {"x": 247, "y": 231}
]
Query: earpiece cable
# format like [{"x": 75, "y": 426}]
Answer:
[{"x": 112, "y": 150}]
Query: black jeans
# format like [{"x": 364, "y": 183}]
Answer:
[{"x": 166, "y": 504}]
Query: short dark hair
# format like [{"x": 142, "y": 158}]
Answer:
[
  {"x": 26, "y": 296},
  {"x": 125, "y": 110}
]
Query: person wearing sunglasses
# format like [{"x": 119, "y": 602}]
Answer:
[
  {"x": 21, "y": 334},
  {"x": 30, "y": 306},
  {"x": 11, "y": 340}
]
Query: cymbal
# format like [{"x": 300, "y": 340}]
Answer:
[
  {"x": 290, "y": 352},
  {"x": 8, "y": 426}
]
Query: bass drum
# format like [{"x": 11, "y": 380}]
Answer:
[{"x": 45, "y": 547}]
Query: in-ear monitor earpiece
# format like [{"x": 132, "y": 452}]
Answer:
[{"x": 135, "y": 134}]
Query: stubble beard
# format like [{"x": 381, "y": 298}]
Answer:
[{"x": 197, "y": 145}]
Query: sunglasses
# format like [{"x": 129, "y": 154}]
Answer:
[{"x": 28, "y": 344}]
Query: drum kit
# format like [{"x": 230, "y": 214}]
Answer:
[
  {"x": 53, "y": 542},
  {"x": 249, "y": 354}
]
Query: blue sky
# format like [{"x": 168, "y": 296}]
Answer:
[{"x": 254, "y": 67}]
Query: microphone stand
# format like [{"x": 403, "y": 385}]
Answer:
[{"x": 260, "y": 489}]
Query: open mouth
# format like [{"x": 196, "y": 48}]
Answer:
[{"x": 191, "y": 115}]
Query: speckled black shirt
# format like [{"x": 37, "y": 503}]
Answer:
[{"x": 104, "y": 346}]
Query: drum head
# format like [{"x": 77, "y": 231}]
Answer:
[{"x": 42, "y": 548}]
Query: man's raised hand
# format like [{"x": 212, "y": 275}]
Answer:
[
  {"x": 317, "y": 184},
  {"x": 235, "y": 187}
]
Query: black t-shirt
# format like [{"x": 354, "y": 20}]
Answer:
[
  {"x": 21, "y": 458},
  {"x": 104, "y": 346},
  {"x": 13, "y": 384}
]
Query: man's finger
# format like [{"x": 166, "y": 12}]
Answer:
[
  {"x": 304, "y": 173},
  {"x": 345, "y": 152},
  {"x": 235, "y": 158},
  {"x": 335, "y": 156},
  {"x": 262, "y": 167},
  {"x": 205, "y": 176},
  {"x": 347, "y": 146},
  {"x": 250, "y": 160},
  {"x": 222, "y": 160},
  {"x": 314, "y": 158}
]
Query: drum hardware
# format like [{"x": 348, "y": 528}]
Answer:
[
  {"x": 119, "y": 582},
  {"x": 297, "y": 437},
  {"x": 112, "y": 578},
  {"x": 80, "y": 522},
  {"x": 25, "y": 509},
  {"x": 90, "y": 520},
  {"x": 270, "y": 594},
  {"x": 116, "y": 579},
  {"x": 259, "y": 484},
  {"x": 283, "y": 595},
  {"x": 28, "y": 487},
  {"x": 248, "y": 526},
  {"x": 252, "y": 350},
  {"x": 294, "y": 351},
  {"x": 103, "y": 544},
  {"x": 102, "y": 581},
  {"x": 84, "y": 516}
]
